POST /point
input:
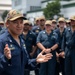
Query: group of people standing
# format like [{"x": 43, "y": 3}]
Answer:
[{"x": 49, "y": 42}]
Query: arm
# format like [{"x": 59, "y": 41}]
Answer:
[
  {"x": 38, "y": 41},
  {"x": 34, "y": 49},
  {"x": 40, "y": 59},
  {"x": 40, "y": 46}
]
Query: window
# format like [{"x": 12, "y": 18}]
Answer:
[
  {"x": 32, "y": 8},
  {"x": 17, "y": 2}
]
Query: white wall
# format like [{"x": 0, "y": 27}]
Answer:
[
  {"x": 25, "y": 5},
  {"x": 33, "y": 15},
  {"x": 68, "y": 12}
]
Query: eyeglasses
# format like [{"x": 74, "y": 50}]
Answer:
[
  {"x": 61, "y": 22},
  {"x": 54, "y": 23},
  {"x": 48, "y": 25}
]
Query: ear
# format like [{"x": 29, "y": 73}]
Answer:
[{"x": 7, "y": 24}]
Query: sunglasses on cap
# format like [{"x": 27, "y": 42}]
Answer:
[{"x": 54, "y": 22}]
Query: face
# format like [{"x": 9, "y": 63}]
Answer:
[
  {"x": 72, "y": 22},
  {"x": 48, "y": 27},
  {"x": 42, "y": 22},
  {"x": 53, "y": 25},
  {"x": 2, "y": 25},
  {"x": 68, "y": 24},
  {"x": 61, "y": 24},
  {"x": 15, "y": 27},
  {"x": 37, "y": 22},
  {"x": 26, "y": 27},
  {"x": 30, "y": 27}
]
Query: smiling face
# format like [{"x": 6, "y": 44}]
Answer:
[
  {"x": 61, "y": 24},
  {"x": 26, "y": 27},
  {"x": 15, "y": 27},
  {"x": 48, "y": 27}
]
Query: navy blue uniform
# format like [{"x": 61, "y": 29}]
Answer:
[
  {"x": 36, "y": 30},
  {"x": 69, "y": 47},
  {"x": 48, "y": 41},
  {"x": 19, "y": 56},
  {"x": 60, "y": 64},
  {"x": 30, "y": 40}
]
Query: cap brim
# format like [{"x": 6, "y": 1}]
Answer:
[
  {"x": 17, "y": 18},
  {"x": 72, "y": 19},
  {"x": 61, "y": 21},
  {"x": 48, "y": 24}
]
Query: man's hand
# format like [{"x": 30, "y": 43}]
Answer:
[
  {"x": 31, "y": 54},
  {"x": 7, "y": 52},
  {"x": 57, "y": 57},
  {"x": 43, "y": 58},
  {"x": 62, "y": 54}
]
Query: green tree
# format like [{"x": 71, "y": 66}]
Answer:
[
  {"x": 52, "y": 9},
  {"x": 4, "y": 14}
]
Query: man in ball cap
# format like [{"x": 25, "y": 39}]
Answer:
[
  {"x": 54, "y": 24},
  {"x": 69, "y": 48},
  {"x": 37, "y": 21},
  {"x": 40, "y": 27},
  {"x": 60, "y": 59},
  {"x": 13, "y": 54},
  {"x": 67, "y": 23}
]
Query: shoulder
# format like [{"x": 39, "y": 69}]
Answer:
[
  {"x": 56, "y": 30},
  {"x": 67, "y": 30},
  {"x": 3, "y": 36},
  {"x": 42, "y": 32},
  {"x": 35, "y": 27},
  {"x": 31, "y": 33}
]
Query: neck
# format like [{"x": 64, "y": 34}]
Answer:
[
  {"x": 61, "y": 29},
  {"x": 16, "y": 37},
  {"x": 48, "y": 31},
  {"x": 25, "y": 32},
  {"x": 42, "y": 27}
]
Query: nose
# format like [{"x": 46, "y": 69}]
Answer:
[{"x": 19, "y": 24}]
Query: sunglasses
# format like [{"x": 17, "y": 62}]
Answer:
[
  {"x": 42, "y": 20},
  {"x": 54, "y": 22},
  {"x": 26, "y": 24},
  {"x": 48, "y": 25},
  {"x": 61, "y": 22}
]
